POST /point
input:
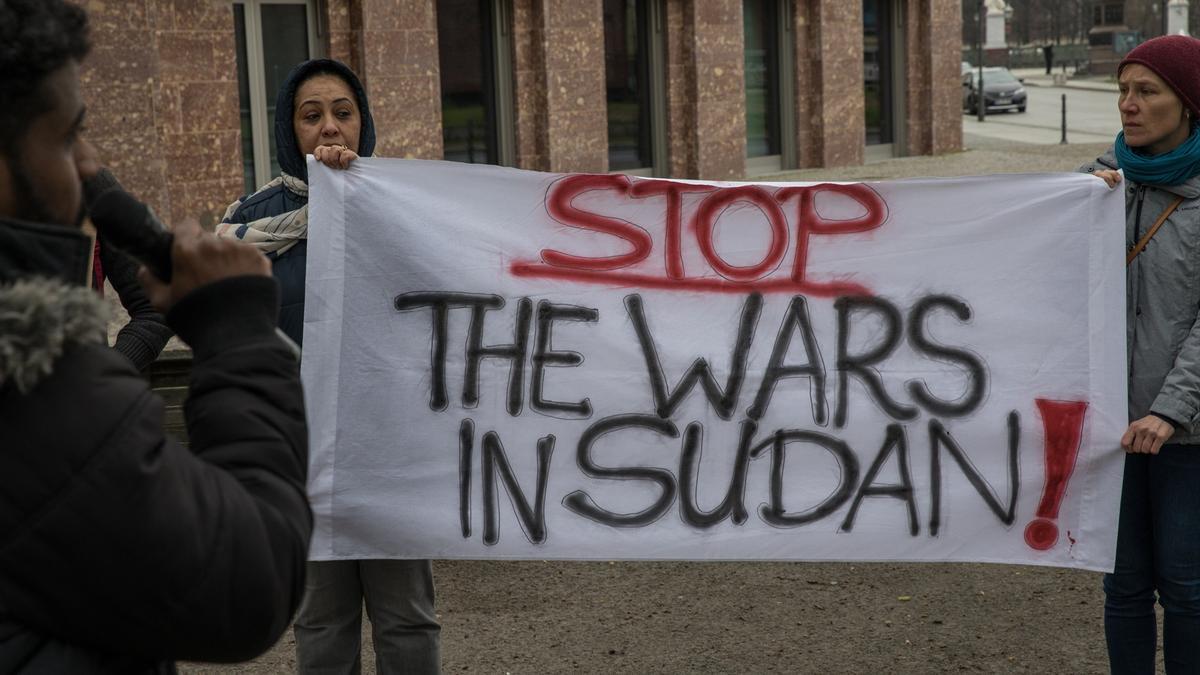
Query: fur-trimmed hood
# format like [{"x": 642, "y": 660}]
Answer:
[{"x": 39, "y": 319}]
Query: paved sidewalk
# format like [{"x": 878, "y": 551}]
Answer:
[
  {"x": 1037, "y": 77},
  {"x": 981, "y": 156}
]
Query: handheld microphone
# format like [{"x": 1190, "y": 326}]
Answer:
[{"x": 131, "y": 226}]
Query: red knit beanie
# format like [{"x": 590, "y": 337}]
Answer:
[{"x": 1176, "y": 59}]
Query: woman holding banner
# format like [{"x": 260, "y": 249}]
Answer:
[
  {"x": 322, "y": 110},
  {"x": 1158, "y": 541}
]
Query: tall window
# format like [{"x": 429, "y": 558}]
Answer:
[
  {"x": 878, "y": 71},
  {"x": 473, "y": 55},
  {"x": 1108, "y": 14},
  {"x": 633, "y": 85},
  {"x": 272, "y": 37},
  {"x": 625, "y": 79},
  {"x": 759, "y": 22},
  {"x": 770, "y": 108}
]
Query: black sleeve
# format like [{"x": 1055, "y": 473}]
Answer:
[
  {"x": 1166, "y": 419},
  {"x": 128, "y": 542},
  {"x": 143, "y": 338}
]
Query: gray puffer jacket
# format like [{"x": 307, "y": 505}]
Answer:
[{"x": 1163, "y": 291}]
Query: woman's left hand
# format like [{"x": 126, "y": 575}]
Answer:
[
  {"x": 1112, "y": 178},
  {"x": 335, "y": 156},
  {"x": 1147, "y": 435}
]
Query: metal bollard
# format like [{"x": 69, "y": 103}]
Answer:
[
  {"x": 1064, "y": 120},
  {"x": 980, "y": 97}
]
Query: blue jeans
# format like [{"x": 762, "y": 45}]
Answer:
[
  {"x": 399, "y": 599},
  {"x": 1158, "y": 549}
]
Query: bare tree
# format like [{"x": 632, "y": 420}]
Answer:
[{"x": 1041, "y": 21}]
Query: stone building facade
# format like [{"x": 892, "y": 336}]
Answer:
[{"x": 180, "y": 92}]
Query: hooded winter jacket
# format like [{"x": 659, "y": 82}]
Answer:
[
  {"x": 120, "y": 549},
  {"x": 289, "y": 266},
  {"x": 1163, "y": 303}
]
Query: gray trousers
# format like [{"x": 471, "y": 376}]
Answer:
[{"x": 399, "y": 599}]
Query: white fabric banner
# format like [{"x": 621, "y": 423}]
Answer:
[{"x": 511, "y": 364}]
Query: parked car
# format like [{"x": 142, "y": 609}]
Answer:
[{"x": 1001, "y": 90}]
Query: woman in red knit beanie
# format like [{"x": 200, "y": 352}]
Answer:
[{"x": 1158, "y": 540}]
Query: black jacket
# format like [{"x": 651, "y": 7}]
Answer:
[
  {"x": 120, "y": 549},
  {"x": 289, "y": 267}
]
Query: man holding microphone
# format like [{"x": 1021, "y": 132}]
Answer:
[{"x": 120, "y": 549}]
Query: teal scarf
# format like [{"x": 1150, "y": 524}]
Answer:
[{"x": 1169, "y": 168}]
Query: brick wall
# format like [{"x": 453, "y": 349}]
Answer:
[
  {"x": 531, "y": 112},
  {"x": 399, "y": 69},
  {"x": 934, "y": 89},
  {"x": 558, "y": 85},
  {"x": 706, "y": 89},
  {"x": 830, "y": 125},
  {"x": 161, "y": 86},
  {"x": 161, "y": 90}
]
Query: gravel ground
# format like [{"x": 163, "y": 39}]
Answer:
[
  {"x": 551, "y": 617},
  {"x": 556, "y": 617}
]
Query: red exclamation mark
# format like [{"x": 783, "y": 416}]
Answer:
[{"x": 1063, "y": 423}]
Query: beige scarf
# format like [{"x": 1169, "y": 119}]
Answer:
[{"x": 273, "y": 234}]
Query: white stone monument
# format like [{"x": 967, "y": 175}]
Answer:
[
  {"x": 1177, "y": 17},
  {"x": 998, "y": 13}
]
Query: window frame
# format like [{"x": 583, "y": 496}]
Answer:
[
  {"x": 497, "y": 84},
  {"x": 786, "y": 90},
  {"x": 656, "y": 54},
  {"x": 899, "y": 93},
  {"x": 502, "y": 79},
  {"x": 1114, "y": 14},
  {"x": 255, "y": 73},
  {"x": 656, "y": 87}
]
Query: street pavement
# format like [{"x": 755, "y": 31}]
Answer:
[
  {"x": 981, "y": 155},
  {"x": 1092, "y": 115},
  {"x": 1027, "y": 142}
]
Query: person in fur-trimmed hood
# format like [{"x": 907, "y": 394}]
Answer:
[{"x": 122, "y": 550}]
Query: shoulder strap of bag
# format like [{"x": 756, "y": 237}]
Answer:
[{"x": 1153, "y": 228}]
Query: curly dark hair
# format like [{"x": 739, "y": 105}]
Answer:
[{"x": 37, "y": 37}]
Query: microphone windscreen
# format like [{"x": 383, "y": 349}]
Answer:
[{"x": 129, "y": 225}]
